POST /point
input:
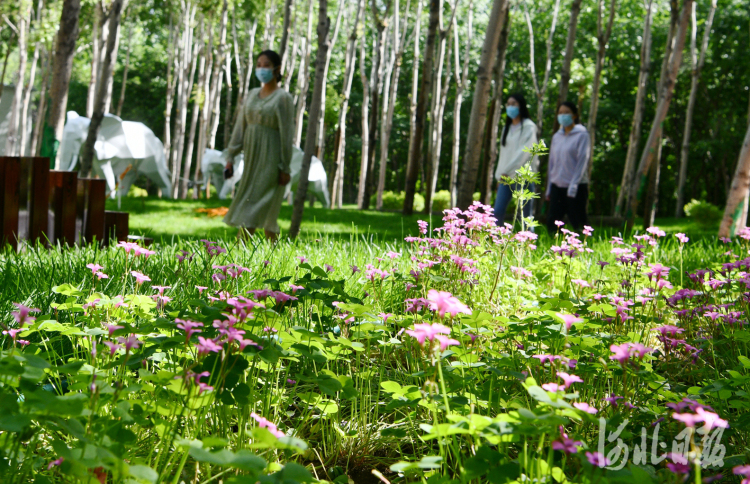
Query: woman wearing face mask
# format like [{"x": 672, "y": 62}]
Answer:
[
  {"x": 264, "y": 132},
  {"x": 567, "y": 173},
  {"x": 519, "y": 133}
]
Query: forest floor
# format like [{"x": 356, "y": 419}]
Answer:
[{"x": 166, "y": 220}]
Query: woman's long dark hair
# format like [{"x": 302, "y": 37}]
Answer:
[
  {"x": 523, "y": 112},
  {"x": 573, "y": 108},
  {"x": 275, "y": 59}
]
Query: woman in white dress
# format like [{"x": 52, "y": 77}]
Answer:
[{"x": 264, "y": 132}]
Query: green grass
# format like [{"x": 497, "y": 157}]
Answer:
[{"x": 170, "y": 220}]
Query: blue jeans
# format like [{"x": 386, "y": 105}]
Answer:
[{"x": 504, "y": 196}]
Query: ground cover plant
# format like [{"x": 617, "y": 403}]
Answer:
[{"x": 466, "y": 353}]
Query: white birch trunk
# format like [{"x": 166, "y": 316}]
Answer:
[
  {"x": 13, "y": 145},
  {"x": 95, "y": 58},
  {"x": 365, "y": 151},
  {"x": 321, "y": 136},
  {"x": 461, "y": 81},
  {"x": 121, "y": 101}
]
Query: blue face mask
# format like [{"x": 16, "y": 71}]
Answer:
[
  {"x": 565, "y": 119},
  {"x": 511, "y": 111},
  {"x": 264, "y": 74}
]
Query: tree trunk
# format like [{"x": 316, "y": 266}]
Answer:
[
  {"x": 697, "y": 67},
  {"x": 479, "y": 104},
  {"x": 194, "y": 120},
  {"x": 321, "y": 136},
  {"x": 602, "y": 37},
  {"x": 121, "y": 101},
  {"x": 541, "y": 90},
  {"x": 420, "y": 112},
  {"x": 389, "y": 101},
  {"x": 205, "y": 114},
  {"x": 324, "y": 43},
  {"x": 13, "y": 145},
  {"x": 497, "y": 113},
  {"x": 171, "y": 84},
  {"x": 461, "y": 81},
  {"x": 110, "y": 80},
  {"x": 350, "y": 59},
  {"x": 285, "y": 30},
  {"x": 41, "y": 110},
  {"x": 87, "y": 153},
  {"x": 635, "y": 130},
  {"x": 95, "y": 57},
  {"x": 303, "y": 80},
  {"x": 25, "y": 115},
  {"x": 186, "y": 70},
  {"x": 665, "y": 97},
  {"x": 575, "y": 9},
  {"x": 365, "y": 151},
  {"x": 735, "y": 212},
  {"x": 217, "y": 80},
  {"x": 65, "y": 48}
]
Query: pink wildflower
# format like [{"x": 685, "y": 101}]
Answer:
[
  {"x": 569, "y": 320},
  {"x": 443, "y": 302},
  {"x": 267, "y": 424},
  {"x": 139, "y": 278}
]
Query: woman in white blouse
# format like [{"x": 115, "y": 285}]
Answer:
[{"x": 519, "y": 133}]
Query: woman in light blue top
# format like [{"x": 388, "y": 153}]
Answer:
[{"x": 567, "y": 172}]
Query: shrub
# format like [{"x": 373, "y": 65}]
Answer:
[
  {"x": 137, "y": 192},
  {"x": 703, "y": 213},
  {"x": 441, "y": 201},
  {"x": 395, "y": 201}
]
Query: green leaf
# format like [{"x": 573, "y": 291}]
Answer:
[{"x": 143, "y": 473}]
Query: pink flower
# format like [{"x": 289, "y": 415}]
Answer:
[
  {"x": 201, "y": 289},
  {"x": 111, "y": 328},
  {"x": 552, "y": 387},
  {"x": 424, "y": 331},
  {"x": 385, "y": 316},
  {"x": 657, "y": 270},
  {"x": 204, "y": 387},
  {"x": 131, "y": 342},
  {"x": 581, "y": 282},
  {"x": 354, "y": 269},
  {"x": 112, "y": 347},
  {"x": 520, "y": 272},
  {"x": 139, "y": 278},
  {"x": 585, "y": 407},
  {"x": 328, "y": 267},
  {"x": 138, "y": 250},
  {"x": 688, "y": 419},
  {"x": 588, "y": 231},
  {"x": 569, "y": 379},
  {"x": 267, "y": 424},
  {"x": 445, "y": 342},
  {"x": 559, "y": 223},
  {"x": 94, "y": 268},
  {"x": 302, "y": 259},
  {"x": 392, "y": 254},
  {"x": 22, "y": 315},
  {"x": 597, "y": 459},
  {"x": 13, "y": 333},
  {"x": 295, "y": 288},
  {"x": 127, "y": 246},
  {"x": 422, "y": 226},
  {"x": 161, "y": 289},
  {"x": 682, "y": 238},
  {"x": 190, "y": 327},
  {"x": 443, "y": 302},
  {"x": 206, "y": 346},
  {"x": 248, "y": 342},
  {"x": 260, "y": 294},
  {"x": 569, "y": 320},
  {"x": 544, "y": 358},
  {"x": 711, "y": 420},
  {"x": 55, "y": 463},
  {"x": 565, "y": 444},
  {"x": 101, "y": 275},
  {"x": 281, "y": 297}
]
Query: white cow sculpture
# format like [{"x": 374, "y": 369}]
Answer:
[
  {"x": 213, "y": 163},
  {"x": 123, "y": 150}
]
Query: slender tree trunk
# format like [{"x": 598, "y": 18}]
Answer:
[
  {"x": 417, "y": 140},
  {"x": 665, "y": 97},
  {"x": 735, "y": 212},
  {"x": 324, "y": 43},
  {"x": 602, "y": 37},
  {"x": 635, "y": 130},
  {"x": 194, "y": 120},
  {"x": 497, "y": 112},
  {"x": 188, "y": 52},
  {"x": 25, "y": 114},
  {"x": 575, "y": 9},
  {"x": 479, "y": 104},
  {"x": 217, "y": 80},
  {"x": 697, "y": 62},
  {"x": 95, "y": 57},
  {"x": 87, "y": 153},
  {"x": 541, "y": 90},
  {"x": 321, "y": 136},
  {"x": 171, "y": 84},
  {"x": 303, "y": 80},
  {"x": 41, "y": 110},
  {"x": 350, "y": 59},
  {"x": 110, "y": 80},
  {"x": 285, "y": 29},
  {"x": 365, "y": 151},
  {"x": 389, "y": 101},
  {"x": 5, "y": 66},
  {"x": 65, "y": 47},
  {"x": 13, "y": 145},
  {"x": 244, "y": 78},
  {"x": 205, "y": 114},
  {"x": 461, "y": 81},
  {"x": 121, "y": 101}
]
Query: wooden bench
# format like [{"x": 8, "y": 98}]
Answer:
[{"x": 48, "y": 206}]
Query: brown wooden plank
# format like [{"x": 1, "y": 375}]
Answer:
[
  {"x": 63, "y": 198},
  {"x": 93, "y": 228},
  {"x": 10, "y": 172},
  {"x": 38, "y": 198},
  {"x": 116, "y": 226}
]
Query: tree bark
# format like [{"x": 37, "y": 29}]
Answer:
[
  {"x": 735, "y": 212},
  {"x": 575, "y": 10},
  {"x": 195, "y": 114},
  {"x": 697, "y": 62},
  {"x": 171, "y": 84},
  {"x": 321, "y": 136},
  {"x": 87, "y": 153},
  {"x": 420, "y": 113},
  {"x": 25, "y": 115},
  {"x": 665, "y": 98},
  {"x": 350, "y": 59},
  {"x": 635, "y": 130},
  {"x": 285, "y": 29},
  {"x": 497, "y": 112},
  {"x": 478, "y": 117},
  {"x": 541, "y": 90},
  {"x": 13, "y": 145},
  {"x": 303, "y": 80},
  {"x": 65, "y": 48},
  {"x": 41, "y": 110},
  {"x": 217, "y": 79},
  {"x": 121, "y": 101},
  {"x": 602, "y": 38},
  {"x": 96, "y": 44},
  {"x": 461, "y": 81},
  {"x": 324, "y": 43},
  {"x": 5, "y": 66},
  {"x": 365, "y": 150},
  {"x": 186, "y": 70}
]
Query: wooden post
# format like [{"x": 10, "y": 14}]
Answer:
[
  {"x": 10, "y": 169},
  {"x": 37, "y": 200},
  {"x": 115, "y": 226},
  {"x": 63, "y": 195},
  {"x": 90, "y": 209}
]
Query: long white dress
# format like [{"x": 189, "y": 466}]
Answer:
[{"x": 264, "y": 132}]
